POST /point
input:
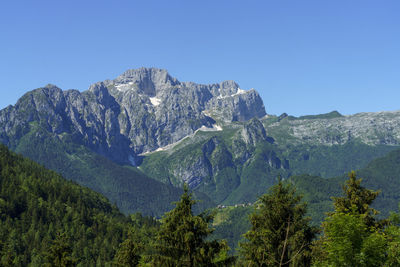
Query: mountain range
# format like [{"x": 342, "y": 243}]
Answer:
[{"x": 136, "y": 139}]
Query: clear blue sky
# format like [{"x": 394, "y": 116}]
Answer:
[{"x": 304, "y": 57}]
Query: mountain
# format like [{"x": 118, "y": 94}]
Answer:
[
  {"x": 139, "y": 111},
  {"x": 137, "y": 138},
  {"x": 89, "y": 136},
  {"x": 379, "y": 128},
  {"x": 238, "y": 163}
]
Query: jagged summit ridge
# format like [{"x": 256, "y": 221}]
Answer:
[
  {"x": 155, "y": 90},
  {"x": 139, "y": 111},
  {"x": 154, "y": 81},
  {"x": 146, "y": 80}
]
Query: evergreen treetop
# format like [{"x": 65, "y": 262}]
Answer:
[
  {"x": 357, "y": 199},
  {"x": 182, "y": 237},
  {"x": 280, "y": 234}
]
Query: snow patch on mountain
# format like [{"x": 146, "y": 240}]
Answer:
[{"x": 155, "y": 101}]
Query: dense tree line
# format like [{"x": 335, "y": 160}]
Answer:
[{"x": 48, "y": 221}]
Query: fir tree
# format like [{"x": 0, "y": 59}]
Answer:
[
  {"x": 280, "y": 234},
  {"x": 128, "y": 253},
  {"x": 357, "y": 199},
  {"x": 60, "y": 253},
  {"x": 181, "y": 240}
]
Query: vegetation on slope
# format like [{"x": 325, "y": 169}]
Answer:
[
  {"x": 380, "y": 174},
  {"x": 231, "y": 171},
  {"x": 40, "y": 211},
  {"x": 128, "y": 188},
  {"x": 48, "y": 221},
  {"x": 231, "y": 223}
]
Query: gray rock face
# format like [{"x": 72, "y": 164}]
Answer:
[
  {"x": 193, "y": 170},
  {"x": 253, "y": 132},
  {"x": 378, "y": 128},
  {"x": 139, "y": 111}
]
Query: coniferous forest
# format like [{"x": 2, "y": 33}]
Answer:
[{"x": 49, "y": 221}]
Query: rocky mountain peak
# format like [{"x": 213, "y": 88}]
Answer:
[
  {"x": 51, "y": 86},
  {"x": 147, "y": 81},
  {"x": 140, "y": 111},
  {"x": 225, "y": 89}
]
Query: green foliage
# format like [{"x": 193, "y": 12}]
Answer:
[
  {"x": 181, "y": 240},
  {"x": 128, "y": 253},
  {"x": 280, "y": 234},
  {"x": 60, "y": 252},
  {"x": 352, "y": 235},
  {"x": 357, "y": 199},
  {"x": 46, "y": 220},
  {"x": 137, "y": 247},
  {"x": 318, "y": 193},
  {"x": 348, "y": 241},
  {"x": 393, "y": 245}
]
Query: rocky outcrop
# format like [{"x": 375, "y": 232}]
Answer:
[
  {"x": 253, "y": 132},
  {"x": 139, "y": 111},
  {"x": 371, "y": 128}
]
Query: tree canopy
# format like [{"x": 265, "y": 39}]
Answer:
[
  {"x": 352, "y": 236},
  {"x": 182, "y": 239},
  {"x": 280, "y": 234}
]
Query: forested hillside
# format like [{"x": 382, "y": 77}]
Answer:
[
  {"x": 45, "y": 218},
  {"x": 48, "y": 221}
]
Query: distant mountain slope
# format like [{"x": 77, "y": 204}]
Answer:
[
  {"x": 38, "y": 206},
  {"x": 240, "y": 162},
  {"x": 371, "y": 128},
  {"x": 381, "y": 174}
]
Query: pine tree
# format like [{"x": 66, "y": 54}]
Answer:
[
  {"x": 181, "y": 240},
  {"x": 128, "y": 253},
  {"x": 280, "y": 234},
  {"x": 358, "y": 199},
  {"x": 60, "y": 253}
]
